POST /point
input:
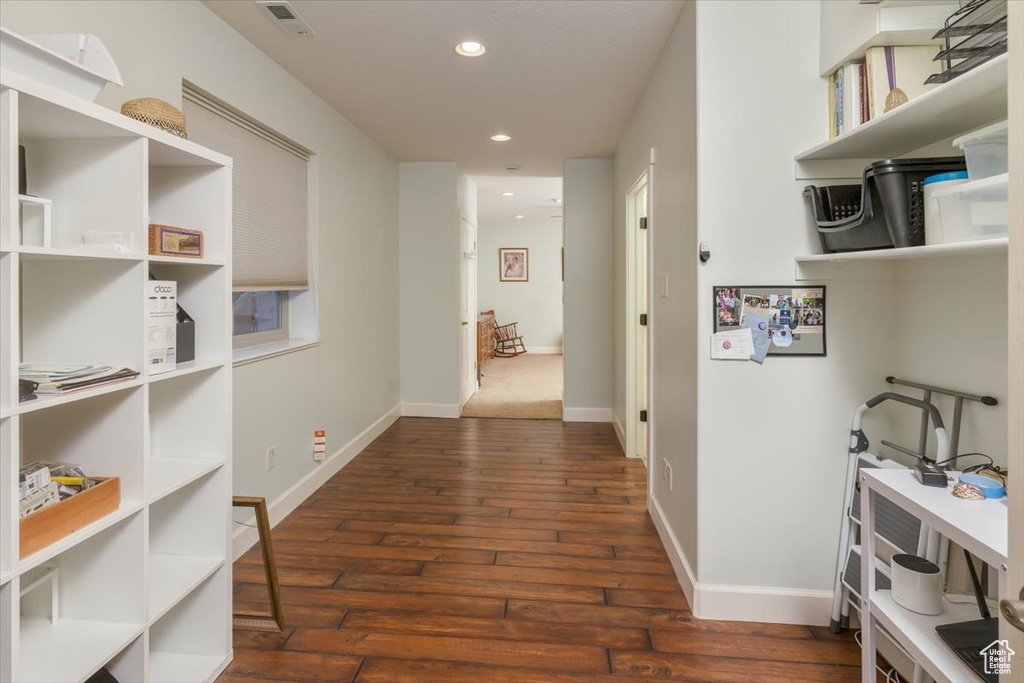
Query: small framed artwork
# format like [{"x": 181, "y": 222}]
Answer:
[
  {"x": 794, "y": 316},
  {"x": 514, "y": 264}
]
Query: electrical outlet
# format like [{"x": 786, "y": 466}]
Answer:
[
  {"x": 666, "y": 473},
  {"x": 271, "y": 457},
  {"x": 664, "y": 286}
]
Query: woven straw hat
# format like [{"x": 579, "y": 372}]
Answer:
[{"x": 156, "y": 113}]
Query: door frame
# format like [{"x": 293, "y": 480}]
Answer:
[
  {"x": 468, "y": 359},
  {"x": 633, "y": 235}
]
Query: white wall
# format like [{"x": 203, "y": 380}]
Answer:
[
  {"x": 351, "y": 379},
  {"x": 537, "y": 304},
  {"x": 588, "y": 186},
  {"x": 428, "y": 217},
  {"x": 666, "y": 118}
]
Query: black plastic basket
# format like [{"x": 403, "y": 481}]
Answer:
[{"x": 886, "y": 210}]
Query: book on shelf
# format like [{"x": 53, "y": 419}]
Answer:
[
  {"x": 845, "y": 87},
  {"x": 897, "y": 74},
  {"x": 68, "y": 379}
]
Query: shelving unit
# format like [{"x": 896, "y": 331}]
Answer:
[
  {"x": 144, "y": 590},
  {"x": 978, "y": 526}
]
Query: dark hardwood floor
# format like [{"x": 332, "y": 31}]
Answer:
[{"x": 498, "y": 550}]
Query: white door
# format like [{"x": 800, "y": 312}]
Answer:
[
  {"x": 637, "y": 361},
  {"x": 641, "y": 325},
  {"x": 467, "y": 312}
]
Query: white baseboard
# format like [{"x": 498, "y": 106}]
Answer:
[
  {"x": 430, "y": 410},
  {"x": 619, "y": 432},
  {"x": 246, "y": 537},
  {"x": 741, "y": 603},
  {"x": 764, "y": 603},
  {"x": 586, "y": 414},
  {"x": 545, "y": 349},
  {"x": 684, "y": 573}
]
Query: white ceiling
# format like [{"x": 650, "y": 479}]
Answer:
[
  {"x": 561, "y": 76},
  {"x": 533, "y": 198}
]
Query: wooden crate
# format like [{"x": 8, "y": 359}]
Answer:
[{"x": 51, "y": 524}]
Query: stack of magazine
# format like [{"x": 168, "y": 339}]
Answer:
[{"x": 58, "y": 380}]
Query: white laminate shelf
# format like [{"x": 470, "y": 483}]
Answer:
[
  {"x": 126, "y": 509},
  {"x": 69, "y": 650},
  {"x": 174, "y": 667},
  {"x": 47, "y": 112},
  {"x": 916, "y": 634},
  {"x": 44, "y": 402},
  {"x": 70, "y": 253},
  {"x": 979, "y": 526},
  {"x": 973, "y": 100},
  {"x": 167, "y": 475},
  {"x": 184, "y": 369},
  {"x": 172, "y": 577},
  {"x": 912, "y": 253},
  {"x": 186, "y": 261}
]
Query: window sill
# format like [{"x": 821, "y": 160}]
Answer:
[{"x": 251, "y": 354}]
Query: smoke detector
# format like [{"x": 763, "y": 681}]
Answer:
[{"x": 282, "y": 14}]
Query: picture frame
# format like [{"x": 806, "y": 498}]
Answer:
[
  {"x": 513, "y": 264},
  {"x": 796, "y": 313}
]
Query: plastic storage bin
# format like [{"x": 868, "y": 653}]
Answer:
[
  {"x": 932, "y": 217},
  {"x": 986, "y": 150},
  {"x": 889, "y": 211},
  {"x": 976, "y": 210}
]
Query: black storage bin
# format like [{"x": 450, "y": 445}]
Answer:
[{"x": 886, "y": 210}]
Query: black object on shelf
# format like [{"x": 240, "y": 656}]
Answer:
[
  {"x": 886, "y": 210},
  {"x": 27, "y": 390},
  {"x": 186, "y": 337},
  {"x": 102, "y": 676},
  {"x": 22, "y": 177},
  {"x": 973, "y": 34}
]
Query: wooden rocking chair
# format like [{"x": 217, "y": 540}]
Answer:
[{"x": 507, "y": 341}]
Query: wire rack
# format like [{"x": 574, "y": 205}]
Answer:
[{"x": 973, "y": 34}]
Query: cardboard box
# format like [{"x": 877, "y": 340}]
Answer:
[
  {"x": 167, "y": 240},
  {"x": 53, "y": 523},
  {"x": 161, "y": 325}
]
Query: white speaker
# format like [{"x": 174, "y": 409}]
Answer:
[{"x": 916, "y": 584}]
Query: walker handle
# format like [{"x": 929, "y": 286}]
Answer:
[{"x": 917, "y": 403}]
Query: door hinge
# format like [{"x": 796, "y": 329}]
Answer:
[
  {"x": 643, "y": 223},
  {"x": 643, "y": 416},
  {"x": 643, "y": 319}
]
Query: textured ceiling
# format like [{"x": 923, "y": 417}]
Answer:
[
  {"x": 560, "y": 76},
  {"x": 533, "y": 198}
]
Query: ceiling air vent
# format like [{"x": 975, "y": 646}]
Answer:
[{"x": 282, "y": 14}]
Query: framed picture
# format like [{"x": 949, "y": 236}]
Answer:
[
  {"x": 794, "y": 316},
  {"x": 514, "y": 264}
]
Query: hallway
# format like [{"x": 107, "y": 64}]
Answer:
[{"x": 497, "y": 550}]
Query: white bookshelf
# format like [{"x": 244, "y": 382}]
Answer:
[
  {"x": 978, "y": 526},
  {"x": 144, "y": 590}
]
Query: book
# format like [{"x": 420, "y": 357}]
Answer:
[
  {"x": 851, "y": 97},
  {"x": 865, "y": 103},
  {"x": 73, "y": 378},
  {"x": 897, "y": 75},
  {"x": 835, "y": 103}
]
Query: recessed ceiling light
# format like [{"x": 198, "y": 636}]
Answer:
[
  {"x": 520, "y": 216},
  {"x": 508, "y": 194},
  {"x": 500, "y": 137},
  {"x": 470, "y": 48}
]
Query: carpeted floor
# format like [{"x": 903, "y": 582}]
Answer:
[{"x": 527, "y": 387}]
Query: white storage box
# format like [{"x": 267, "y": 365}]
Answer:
[
  {"x": 975, "y": 210},
  {"x": 986, "y": 150},
  {"x": 76, "y": 63},
  {"x": 161, "y": 325}
]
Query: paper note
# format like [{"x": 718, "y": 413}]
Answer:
[
  {"x": 758, "y": 326},
  {"x": 732, "y": 345}
]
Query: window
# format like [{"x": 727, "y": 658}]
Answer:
[{"x": 270, "y": 200}]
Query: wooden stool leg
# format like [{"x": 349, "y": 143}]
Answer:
[{"x": 252, "y": 620}]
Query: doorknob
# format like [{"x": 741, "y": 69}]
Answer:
[{"x": 1013, "y": 611}]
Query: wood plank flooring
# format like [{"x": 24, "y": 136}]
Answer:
[{"x": 498, "y": 550}]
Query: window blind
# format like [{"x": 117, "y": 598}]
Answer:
[{"x": 270, "y": 194}]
